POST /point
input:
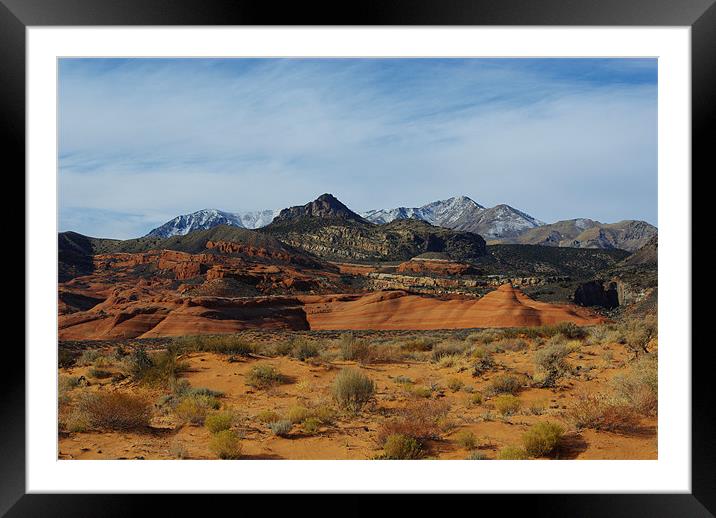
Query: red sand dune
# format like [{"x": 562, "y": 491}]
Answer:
[
  {"x": 123, "y": 317},
  {"x": 504, "y": 307}
]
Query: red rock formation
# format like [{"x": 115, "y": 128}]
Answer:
[{"x": 435, "y": 266}]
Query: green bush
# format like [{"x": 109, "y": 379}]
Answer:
[
  {"x": 311, "y": 425},
  {"x": 401, "y": 447},
  {"x": 219, "y": 421},
  {"x": 352, "y": 390},
  {"x": 512, "y": 453},
  {"x": 263, "y": 376},
  {"x": 466, "y": 439},
  {"x": 542, "y": 439},
  {"x": 507, "y": 404},
  {"x": 225, "y": 445},
  {"x": 194, "y": 409}
]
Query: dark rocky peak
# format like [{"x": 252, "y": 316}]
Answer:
[{"x": 326, "y": 206}]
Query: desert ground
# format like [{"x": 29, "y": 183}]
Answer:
[{"x": 559, "y": 391}]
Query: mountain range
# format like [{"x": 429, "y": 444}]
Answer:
[
  {"x": 501, "y": 224},
  {"x": 210, "y": 218}
]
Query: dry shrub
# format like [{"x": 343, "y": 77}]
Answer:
[
  {"x": 267, "y": 416},
  {"x": 159, "y": 369},
  {"x": 640, "y": 385},
  {"x": 401, "y": 447},
  {"x": 601, "y": 412},
  {"x": 542, "y": 439},
  {"x": 302, "y": 349},
  {"x": 455, "y": 384},
  {"x": 98, "y": 373},
  {"x": 76, "y": 421},
  {"x": 483, "y": 361},
  {"x": 194, "y": 408},
  {"x": 504, "y": 384},
  {"x": 417, "y": 345},
  {"x": 88, "y": 357},
  {"x": 353, "y": 349},
  {"x": 297, "y": 413},
  {"x": 225, "y": 445},
  {"x": 115, "y": 410},
  {"x": 263, "y": 376},
  {"x": 507, "y": 404},
  {"x": 222, "y": 344},
  {"x": 551, "y": 362},
  {"x": 352, "y": 390},
  {"x": 637, "y": 333},
  {"x": 510, "y": 344},
  {"x": 65, "y": 384},
  {"x": 448, "y": 348},
  {"x": 281, "y": 428},
  {"x": 420, "y": 421}
]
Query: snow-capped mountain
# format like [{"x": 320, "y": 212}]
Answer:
[
  {"x": 441, "y": 213},
  {"x": 497, "y": 222},
  {"x": 462, "y": 213},
  {"x": 258, "y": 218},
  {"x": 210, "y": 218}
]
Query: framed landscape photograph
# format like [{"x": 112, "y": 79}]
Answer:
[{"x": 362, "y": 259}]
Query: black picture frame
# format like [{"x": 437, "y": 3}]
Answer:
[{"x": 700, "y": 15}]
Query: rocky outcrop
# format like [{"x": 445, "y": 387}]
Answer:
[
  {"x": 445, "y": 285},
  {"x": 597, "y": 293},
  {"x": 425, "y": 266},
  {"x": 351, "y": 240}
]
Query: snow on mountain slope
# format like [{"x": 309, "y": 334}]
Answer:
[
  {"x": 210, "y": 218},
  {"x": 462, "y": 213},
  {"x": 441, "y": 213},
  {"x": 258, "y": 218}
]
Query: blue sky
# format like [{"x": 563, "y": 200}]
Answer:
[{"x": 143, "y": 140}]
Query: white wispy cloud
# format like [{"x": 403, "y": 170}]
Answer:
[{"x": 144, "y": 140}]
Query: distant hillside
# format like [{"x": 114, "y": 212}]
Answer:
[
  {"x": 535, "y": 260},
  {"x": 327, "y": 228},
  {"x": 76, "y": 250},
  {"x": 629, "y": 235}
]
